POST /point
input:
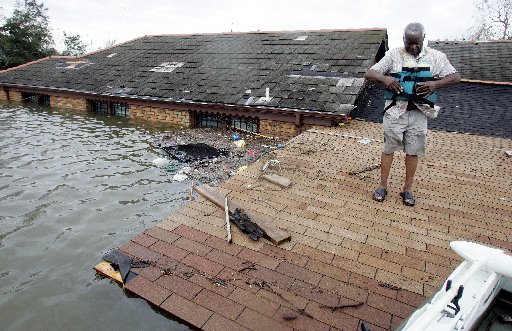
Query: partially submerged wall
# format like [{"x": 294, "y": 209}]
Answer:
[
  {"x": 268, "y": 126},
  {"x": 3, "y": 94},
  {"x": 68, "y": 103},
  {"x": 159, "y": 114},
  {"x": 277, "y": 129},
  {"x": 10, "y": 95}
]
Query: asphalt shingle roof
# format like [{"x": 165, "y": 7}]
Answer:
[
  {"x": 481, "y": 109},
  {"x": 487, "y": 61},
  {"x": 320, "y": 73}
]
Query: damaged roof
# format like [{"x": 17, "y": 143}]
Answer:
[
  {"x": 311, "y": 70},
  {"x": 483, "y": 61}
]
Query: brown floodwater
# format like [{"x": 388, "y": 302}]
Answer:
[{"x": 74, "y": 186}]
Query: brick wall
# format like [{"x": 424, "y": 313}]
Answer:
[
  {"x": 3, "y": 94},
  {"x": 279, "y": 129},
  {"x": 69, "y": 103},
  {"x": 157, "y": 114},
  {"x": 15, "y": 96}
]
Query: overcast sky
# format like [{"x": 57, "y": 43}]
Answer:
[{"x": 98, "y": 21}]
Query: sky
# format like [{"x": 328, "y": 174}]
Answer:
[{"x": 101, "y": 21}]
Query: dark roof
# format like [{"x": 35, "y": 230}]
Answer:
[
  {"x": 323, "y": 72},
  {"x": 485, "y": 61},
  {"x": 481, "y": 109}
]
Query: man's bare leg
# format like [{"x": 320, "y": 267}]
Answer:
[
  {"x": 411, "y": 163},
  {"x": 386, "y": 160}
]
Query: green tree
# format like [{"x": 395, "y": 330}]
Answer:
[
  {"x": 25, "y": 36},
  {"x": 74, "y": 45},
  {"x": 493, "y": 20}
]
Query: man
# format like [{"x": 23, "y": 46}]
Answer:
[{"x": 421, "y": 70}]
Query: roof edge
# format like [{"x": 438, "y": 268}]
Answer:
[
  {"x": 264, "y": 32},
  {"x": 176, "y": 102},
  {"x": 489, "y": 82},
  {"x": 40, "y": 60},
  {"x": 469, "y": 42}
]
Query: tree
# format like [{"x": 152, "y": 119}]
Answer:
[
  {"x": 493, "y": 21},
  {"x": 25, "y": 36},
  {"x": 74, "y": 45}
]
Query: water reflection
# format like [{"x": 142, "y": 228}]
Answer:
[{"x": 72, "y": 187}]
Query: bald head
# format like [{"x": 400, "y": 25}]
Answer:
[{"x": 414, "y": 34}]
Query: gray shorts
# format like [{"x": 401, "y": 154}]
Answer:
[{"x": 407, "y": 133}]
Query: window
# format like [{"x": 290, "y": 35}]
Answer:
[
  {"x": 108, "y": 107},
  {"x": 205, "y": 120},
  {"x": 36, "y": 98},
  {"x": 245, "y": 123},
  {"x": 98, "y": 106},
  {"x": 209, "y": 121},
  {"x": 120, "y": 109}
]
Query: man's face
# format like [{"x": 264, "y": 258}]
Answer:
[{"x": 413, "y": 44}]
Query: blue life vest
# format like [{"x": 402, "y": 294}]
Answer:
[{"x": 409, "y": 78}]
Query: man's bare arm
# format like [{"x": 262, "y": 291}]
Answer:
[{"x": 389, "y": 82}]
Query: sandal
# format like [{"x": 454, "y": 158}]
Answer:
[
  {"x": 380, "y": 194},
  {"x": 408, "y": 199}
]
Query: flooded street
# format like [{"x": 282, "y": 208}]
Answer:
[{"x": 74, "y": 186}]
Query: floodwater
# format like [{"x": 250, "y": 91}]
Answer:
[{"x": 74, "y": 186}]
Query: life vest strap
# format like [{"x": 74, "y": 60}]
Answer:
[{"x": 409, "y": 97}]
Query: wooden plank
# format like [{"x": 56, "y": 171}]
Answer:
[
  {"x": 278, "y": 180},
  {"x": 276, "y": 235},
  {"x": 228, "y": 225},
  {"x": 107, "y": 270}
]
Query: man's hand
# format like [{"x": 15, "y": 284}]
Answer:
[
  {"x": 425, "y": 89},
  {"x": 392, "y": 84}
]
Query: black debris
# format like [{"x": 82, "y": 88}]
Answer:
[{"x": 244, "y": 223}]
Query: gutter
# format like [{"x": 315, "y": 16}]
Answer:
[{"x": 189, "y": 103}]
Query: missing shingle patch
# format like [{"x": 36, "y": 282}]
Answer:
[
  {"x": 73, "y": 64},
  {"x": 301, "y": 38},
  {"x": 167, "y": 66}
]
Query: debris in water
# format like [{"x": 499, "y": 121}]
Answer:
[
  {"x": 194, "y": 152},
  {"x": 239, "y": 143},
  {"x": 180, "y": 177},
  {"x": 161, "y": 162}
]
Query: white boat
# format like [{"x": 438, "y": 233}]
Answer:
[{"x": 468, "y": 293}]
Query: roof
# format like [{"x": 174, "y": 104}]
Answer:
[
  {"x": 482, "y": 61},
  {"x": 311, "y": 70},
  {"x": 482, "y": 109},
  {"x": 345, "y": 248}
]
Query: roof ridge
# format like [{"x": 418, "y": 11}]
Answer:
[
  {"x": 262, "y": 32},
  {"x": 474, "y": 42}
]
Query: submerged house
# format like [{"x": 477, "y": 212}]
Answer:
[
  {"x": 481, "y": 104},
  {"x": 272, "y": 83}
]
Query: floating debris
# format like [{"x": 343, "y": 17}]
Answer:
[
  {"x": 194, "y": 152},
  {"x": 161, "y": 162},
  {"x": 180, "y": 177},
  {"x": 216, "y": 167}
]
